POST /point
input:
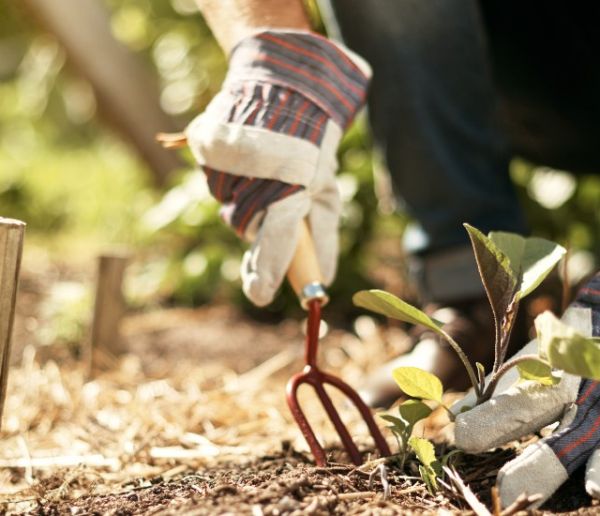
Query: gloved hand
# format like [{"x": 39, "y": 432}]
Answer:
[
  {"x": 527, "y": 407},
  {"x": 267, "y": 143}
]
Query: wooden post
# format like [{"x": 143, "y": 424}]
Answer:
[
  {"x": 109, "y": 307},
  {"x": 11, "y": 250}
]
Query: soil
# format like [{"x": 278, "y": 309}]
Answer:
[
  {"x": 199, "y": 374},
  {"x": 287, "y": 483}
]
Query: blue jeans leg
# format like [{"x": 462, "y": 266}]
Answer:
[{"x": 432, "y": 109}]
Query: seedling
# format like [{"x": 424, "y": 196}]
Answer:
[
  {"x": 410, "y": 412},
  {"x": 424, "y": 386},
  {"x": 511, "y": 267},
  {"x": 430, "y": 467}
]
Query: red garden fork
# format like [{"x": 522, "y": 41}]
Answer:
[{"x": 305, "y": 277}]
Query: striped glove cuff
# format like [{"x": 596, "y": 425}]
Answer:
[
  {"x": 332, "y": 78},
  {"x": 574, "y": 445},
  {"x": 290, "y": 83}
]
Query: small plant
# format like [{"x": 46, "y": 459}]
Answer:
[
  {"x": 421, "y": 385},
  {"x": 511, "y": 267},
  {"x": 409, "y": 413}
]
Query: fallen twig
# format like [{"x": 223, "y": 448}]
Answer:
[
  {"x": 202, "y": 452},
  {"x": 522, "y": 503},
  {"x": 356, "y": 496},
  {"x": 465, "y": 491},
  {"x": 411, "y": 489},
  {"x": 496, "y": 504},
  {"x": 27, "y": 457},
  {"x": 382, "y": 470}
]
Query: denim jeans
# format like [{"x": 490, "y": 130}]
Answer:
[{"x": 435, "y": 112}]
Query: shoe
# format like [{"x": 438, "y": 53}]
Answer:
[{"x": 470, "y": 323}]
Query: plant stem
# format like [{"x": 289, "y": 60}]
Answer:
[
  {"x": 511, "y": 318},
  {"x": 491, "y": 387},
  {"x": 403, "y": 450},
  {"x": 465, "y": 361},
  {"x": 481, "y": 373},
  {"x": 503, "y": 328},
  {"x": 497, "y": 338},
  {"x": 451, "y": 415}
]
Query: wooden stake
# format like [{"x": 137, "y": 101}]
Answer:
[
  {"x": 11, "y": 250},
  {"x": 109, "y": 306}
]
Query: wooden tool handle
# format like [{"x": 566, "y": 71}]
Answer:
[
  {"x": 304, "y": 273},
  {"x": 172, "y": 140}
]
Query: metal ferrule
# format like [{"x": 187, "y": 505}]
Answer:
[{"x": 314, "y": 290}]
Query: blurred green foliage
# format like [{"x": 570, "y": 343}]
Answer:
[
  {"x": 565, "y": 208},
  {"x": 62, "y": 171},
  {"x": 66, "y": 315},
  {"x": 73, "y": 180}
]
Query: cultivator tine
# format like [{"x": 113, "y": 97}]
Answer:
[
  {"x": 304, "y": 277},
  {"x": 318, "y": 379},
  {"x": 338, "y": 424},
  {"x": 307, "y": 431},
  {"x": 364, "y": 411}
]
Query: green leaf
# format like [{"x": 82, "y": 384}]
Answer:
[
  {"x": 391, "y": 306},
  {"x": 430, "y": 478},
  {"x": 449, "y": 456},
  {"x": 430, "y": 467},
  {"x": 480, "y": 369},
  {"x": 412, "y": 411},
  {"x": 423, "y": 449},
  {"x": 531, "y": 259},
  {"x": 419, "y": 383},
  {"x": 566, "y": 348},
  {"x": 496, "y": 273},
  {"x": 538, "y": 371},
  {"x": 398, "y": 425}
]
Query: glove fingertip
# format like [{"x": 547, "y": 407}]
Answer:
[
  {"x": 592, "y": 475},
  {"x": 592, "y": 488},
  {"x": 537, "y": 471},
  {"x": 257, "y": 291}
]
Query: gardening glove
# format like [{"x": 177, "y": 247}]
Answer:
[
  {"x": 267, "y": 143},
  {"x": 526, "y": 407}
]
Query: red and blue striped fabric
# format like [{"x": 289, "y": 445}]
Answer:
[
  {"x": 574, "y": 445},
  {"x": 304, "y": 62},
  {"x": 290, "y": 83}
]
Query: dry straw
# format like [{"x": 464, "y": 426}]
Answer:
[{"x": 158, "y": 413}]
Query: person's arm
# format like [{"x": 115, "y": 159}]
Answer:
[{"x": 233, "y": 20}]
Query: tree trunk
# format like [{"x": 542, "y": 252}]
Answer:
[{"x": 127, "y": 93}]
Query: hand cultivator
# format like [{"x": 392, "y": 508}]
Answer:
[{"x": 304, "y": 276}]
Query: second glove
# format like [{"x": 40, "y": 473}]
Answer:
[{"x": 525, "y": 407}]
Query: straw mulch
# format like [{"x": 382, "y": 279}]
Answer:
[{"x": 193, "y": 420}]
